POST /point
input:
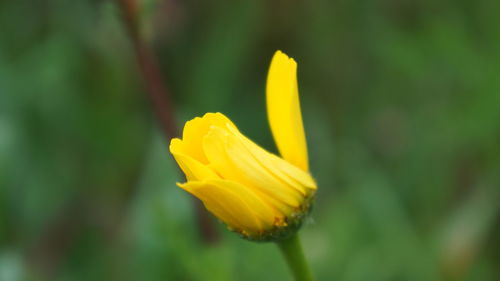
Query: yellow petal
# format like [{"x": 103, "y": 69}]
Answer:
[
  {"x": 283, "y": 110},
  {"x": 192, "y": 168},
  {"x": 195, "y": 129},
  {"x": 232, "y": 160},
  {"x": 233, "y": 203},
  {"x": 295, "y": 177}
]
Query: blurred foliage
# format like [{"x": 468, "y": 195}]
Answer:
[{"x": 400, "y": 100}]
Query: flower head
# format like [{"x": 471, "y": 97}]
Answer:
[{"x": 254, "y": 192}]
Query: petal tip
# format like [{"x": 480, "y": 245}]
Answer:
[
  {"x": 282, "y": 58},
  {"x": 174, "y": 145}
]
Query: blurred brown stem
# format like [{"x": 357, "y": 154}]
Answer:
[{"x": 159, "y": 96}]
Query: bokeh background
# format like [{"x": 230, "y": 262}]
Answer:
[{"x": 401, "y": 103}]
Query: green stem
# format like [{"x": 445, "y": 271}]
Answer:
[{"x": 292, "y": 251}]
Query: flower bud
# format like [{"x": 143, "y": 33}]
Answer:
[{"x": 255, "y": 193}]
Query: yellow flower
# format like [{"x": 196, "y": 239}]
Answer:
[{"x": 254, "y": 192}]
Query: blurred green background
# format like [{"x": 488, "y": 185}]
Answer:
[{"x": 401, "y": 103}]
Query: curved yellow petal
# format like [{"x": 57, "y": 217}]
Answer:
[
  {"x": 233, "y": 203},
  {"x": 195, "y": 129},
  {"x": 233, "y": 161},
  {"x": 283, "y": 110},
  {"x": 192, "y": 168},
  {"x": 295, "y": 177}
]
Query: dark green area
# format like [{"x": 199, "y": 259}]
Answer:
[{"x": 401, "y": 103}]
